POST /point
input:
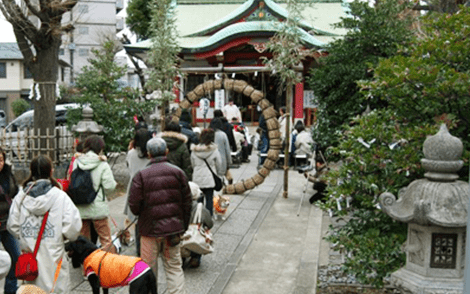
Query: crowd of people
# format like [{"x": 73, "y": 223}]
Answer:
[{"x": 170, "y": 173}]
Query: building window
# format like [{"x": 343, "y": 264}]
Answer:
[
  {"x": 83, "y": 8},
  {"x": 3, "y": 70},
  {"x": 83, "y": 30},
  {"x": 27, "y": 73},
  {"x": 82, "y": 52},
  {"x": 61, "y": 51}
]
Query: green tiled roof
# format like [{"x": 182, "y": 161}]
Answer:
[
  {"x": 257, "y": 27},
  {"x": 252, "y": 28},
  {"x": 10, "y": 51},
  {"x": 243, "y": 11},
  {"x": 202, "y": 2}
]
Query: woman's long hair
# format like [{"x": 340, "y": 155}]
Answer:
[
  {"x": 41, "y": 168},
  {"x": 140, "y": 140}
]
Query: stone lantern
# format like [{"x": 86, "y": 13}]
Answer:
[
  {"x": 87, "y": 126},
  {"x": 435, "y": 209}
]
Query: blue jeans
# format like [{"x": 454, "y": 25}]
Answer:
[
  {"x": 12, "y": 247},
  {"x": 209, "y": 195},
  {"x": 263, "y": 147}
]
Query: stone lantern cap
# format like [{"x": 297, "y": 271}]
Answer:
[
  {"x": 440, "y": 199},
  {"x": 87, "y": 124}
]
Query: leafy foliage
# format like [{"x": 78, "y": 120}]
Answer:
[
  {"x": 113, "y": 107},
  {"x": 431, "y": 77},
  {"x": 19, "y": 106},
  {"x": 139, "y": 17},
  {"x": 374, "y": 33},
  {"x": 163, "y": 55},
  {"x": 374, "y": 241},
  {"x": 390, "y": 163},
  {"x": 286, "y": 47}
]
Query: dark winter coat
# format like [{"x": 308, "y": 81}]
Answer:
[
  {"x": 178, "y": 152},
  {"x": 161, "y": 197},
  {"x": 9, "y": 187},
  {"x": 188, "y": 132}
]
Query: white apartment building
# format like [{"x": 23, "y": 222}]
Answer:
[{"x": 94, "y": 21}]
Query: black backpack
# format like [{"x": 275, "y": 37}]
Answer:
[{"x": 81, "y": 189}]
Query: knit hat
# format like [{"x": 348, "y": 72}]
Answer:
[
  {"x": 185, "y": 116},
  {"x": 195, "y": 191},
  {"x": 156, "y": 147}
]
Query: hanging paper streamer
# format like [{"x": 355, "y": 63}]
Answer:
[
  {"x": 38, "y": 93},
  {"x": 57, "y": 91},
  {"x": 31, "y": 91}
]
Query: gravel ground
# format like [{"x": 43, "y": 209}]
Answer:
[{"x": 332, "y": 280}]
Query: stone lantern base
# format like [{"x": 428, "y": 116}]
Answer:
[
  {"x": 434, "y": 261},
  {"x": 414, "y": 283}
]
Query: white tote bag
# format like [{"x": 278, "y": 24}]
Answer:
[{"x": 196, "y": 239}]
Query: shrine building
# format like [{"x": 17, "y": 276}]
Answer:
[{"x": 228, "y": 39}]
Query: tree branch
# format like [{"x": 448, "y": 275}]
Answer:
[
  {"x": 35, "y": 11},
  {"x": 60, "y": 7},
  {"x": 138, "y": 70},
  {"x": 18, "y": 20},
  {"x": 29, "y": 58},
  {"x": 67, "y": 28}
]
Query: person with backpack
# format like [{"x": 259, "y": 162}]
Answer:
[
  {"x": 42, "y": 193},
  {"x": 96, "y": 213}
]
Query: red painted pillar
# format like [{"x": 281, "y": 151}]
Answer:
[
  {"x": 176, "y": 90},
  {"x": 299, "y": 101}
]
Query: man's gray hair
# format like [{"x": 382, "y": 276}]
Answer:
[{"x": 156, "y": 147}]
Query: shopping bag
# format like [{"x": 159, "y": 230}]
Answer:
[{"x": 197, "y": 239}]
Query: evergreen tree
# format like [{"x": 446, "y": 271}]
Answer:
[
  {"x": 163, "y": 55},
  {"x": 374, "y": 33},
  {"x": 113, "y": 106}
]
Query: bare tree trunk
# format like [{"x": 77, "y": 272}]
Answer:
[
  {"x": 286, "y": 147},
  {"x": 46, "y": 77}
]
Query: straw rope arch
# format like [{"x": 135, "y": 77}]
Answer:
[{"x": 272, "y": 123}]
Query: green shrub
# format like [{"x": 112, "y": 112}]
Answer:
[
  {"x": 391, "y": 162},
  {"x": 19, "y": 106}
]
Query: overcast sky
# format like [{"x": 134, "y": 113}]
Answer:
[{"x": 6, "y": 30}]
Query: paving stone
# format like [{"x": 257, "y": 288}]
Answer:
[
  {"x": 239, "y": 222},
  {"x": 253, "y": 202}
]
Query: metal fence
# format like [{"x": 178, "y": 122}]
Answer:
[{"x": 23, "y": 145}]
